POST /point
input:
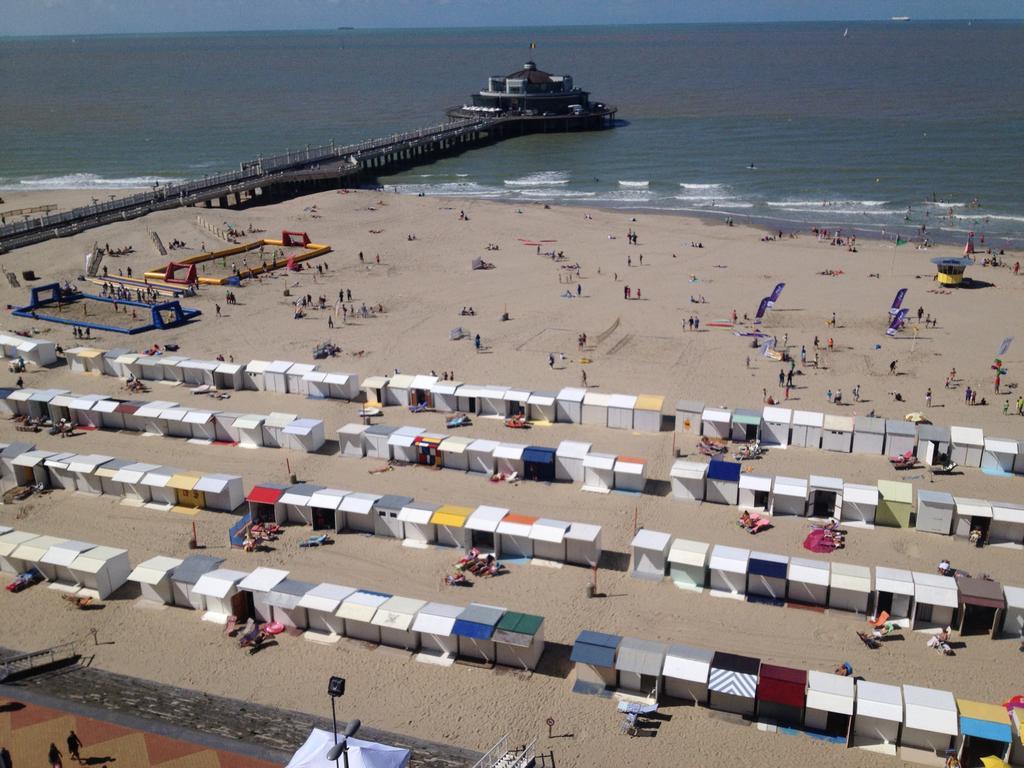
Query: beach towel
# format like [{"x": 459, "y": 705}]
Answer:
[{"x": 815, "y": 542}]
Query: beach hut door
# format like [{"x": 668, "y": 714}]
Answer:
[
  {"x": 240, "y": 605},
  {"x": 824, "y": 504},
  {"x": 191, "y": 499},
  {"x": 484, "y": 541},
  {"x": 323, "y": 519}
]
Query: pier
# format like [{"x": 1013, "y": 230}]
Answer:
[{"x": 313, "y": 169}]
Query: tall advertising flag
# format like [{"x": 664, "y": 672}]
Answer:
[
  {"x": 762, "y": 308},
  {"x": 897, "y": 322},
  {"x": 898, "y": 301},
  {"x": 776, "y": 292}
]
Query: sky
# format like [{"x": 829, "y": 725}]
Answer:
[{"x": 64, "y": 17}]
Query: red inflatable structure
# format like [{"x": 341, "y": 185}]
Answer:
[
  {"x": 173, "y": 268},
  {"x": 294, "y": 238}
]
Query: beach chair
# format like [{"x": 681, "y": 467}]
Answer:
[
  {"x": 314, "y": 541},
  {"x": 869, "y": 640},
  {"x": 903, "y": 461},
  {"x": 883, "y": 617}
]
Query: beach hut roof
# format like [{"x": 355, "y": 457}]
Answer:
[
  {"x": 746, "y": 416},
  {"x": 516, "y": 395},
  {"x": 933, "y": 589},
  {"x": 653, "y": 540},
  {"x": 630, "y": 465},
  {"x": 870, "y": 425},
  {"x": 690, "y": 406},
  {"x": 684, "y": 662},
  {"x": 266, "y": 493},
  {"x": 510, "y": 451},
  {"x": 183, "y": 481},
  {"x": 59, "y": 460},
  {"x": 516, "y": 525},
  {"x": 302, "y": 427},
  {"x": 719, "y": 415},
  {"x": 595, "y": 648},
  {"x": 423, "y": 381},
  {"x": 900, "y": 427},
  {"x": 984, "y": 721},
  {"x": 549, "y": 530},
  {"x": 417, "y": 512},
  {"x": 860, "y": 494},
  {"x": 536, "y": 454},
  {"x": 154, "y": 570},
  {"x": 732, "y": 674},
  {"x": 15, "y": 449},
  {"x": 586, "y": 532},
  {"x": 856, "y": 578},
  {"x": 437, "y": 619},
  {"x": 277, "y": 419},
  {"x": 65, "y": 552},
  {"x": 542, "y": 398},
  {"x": 776, "y": 415},
  {"x": 929, "y": 709},
  {"x": 893, "y": 490},
  {"x": 198, "y": 417},
  {"x": 451, "y": 515},
  {"x": 93, "y": 560},
  {"x": 31, "y": 458},
  {"x": 823, "y": 483},
  {"x": 362, "y": 605},
  {"x": 324, "y": 498},
  {"x": 726, "y": 471},
  {"x": 755, "y": 482},
  {"x": 640, "y": 657},
  {"x": 398, "y": 613},
  {"x": 895, "y": 580},
  {"x": 248, "y": 421},
  {"x": 287, "y": 593},
  {"x": 808, "y": 419},
  {"x": 89, "y": 462},
  {"x": 445, "y": 387},
  {"x": 1008, "y": 513},
  {"x": 106, "y": 406},
  {"x": 375, "y": 382},
  {"x": 687, "y": 552},
  {"x": 1001, "y": 445},
  {"x": 160, "y": 477},
  {"x": 572, "y": 394},
  {"x": 229, "y": 369},
  {"x": 392, "y": 503},
  {"x": 830, "y": 692},
  {"x": 767, "y": 564},
  {"x": 11, "y": 540},
  {"x": 934, "y": 433},
  {"x": 299, "y": 494},
  {"x": 981, "y": 592},
  {"x": 967, "y": 436},
  {"x": 194, "y": 566},
  {"x": 649, "y": 403},
  {"x": 263, "y": 579},
  {"x": 599, "y": 460},
  {"x": 573, "y": 449},
  {"x": 782, "y": 685},
  {"x": 729, "y": 559},
  {"x": 380, "y": 429},
  {"x": 600, "y": 399},
  {"x": 33, "y": 548},
  {"x": 884, "y": 702},
  {"x": 834, "y": 423},
  {"x": 325, "y": 597},
  {"x": 218, "y": 583},
  {"x": 1014, "y": 596},
  {"x": 403, "y": 437},
  {"x": 937, "y": 498},
  {"x": 972, "y": 507},
  {"x": 790, "y": 486},
  {"x": 359, "y": 503},
  {"x": 518, "y": 629},
  {"x": 484, "y": 446},
  {"x": 689, "y": 470},
  {"x": 478, "y": 621},
  {"x": 809, "y": 571}
]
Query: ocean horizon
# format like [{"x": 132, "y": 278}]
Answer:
[{"x": 866, "y": 125}]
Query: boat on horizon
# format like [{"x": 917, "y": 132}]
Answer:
[{"x": 900, "y": 18}]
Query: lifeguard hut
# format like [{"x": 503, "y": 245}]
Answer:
[{"x": 951, "y": 270}]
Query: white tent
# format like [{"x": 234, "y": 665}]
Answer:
[
  {"x": 935, "y": 600},
  {"x": 688, "y": 479},
  {"x": 219, "y": 588},
  {"x": 569, "y": 405},
  {"x": 357, "y": 507},
  {"x": 930, "y": 724},
  {"x": 688, "y": 564},
  {"x": 829, "y": 706},
  {"x": 321, "y": 604},
  {"x": 630, "y": 474},
  {"x": 454, "y": 452},
  {"x": 859, "y": 504},
  {"x": 850, "y": 588},
  {"x": 808, "y": 581},
  {"x": 444, "y": 396},
  {"x": 395, "y": 618},
  {"x": 434, "y": 623},
  {"x": 361, "y": 754},
  {"x": 688, "y": 416},
  {"x": 789, "y": 496},
  {"x": 416, "y": 526},
  {"x": 650, "y": 553},
  {"x": 869, "y": 435},
  {"x": 806, "y": 431},
  {"x": 508, "y": 458},
  {"x": 569, "y": 460},
  {"x": 766, "y": 575},
  {"x": 968, "y": 444},
  {"x": 583, "y": 544},
  {"x": 304, "y": 435},
  {"x": 599, "y": 472},
  {"x": 229, "y": 376},
  {"x": 358, "y": 610},
  {"x": 894, "y": 592},
  {"x": 101, "y": 571},
  {"x": 549, "y": 539},
  {"x": 1007, "y": 528},
  {"x": 727, "y": 571},
  {"x": 1000, "y": 454},
  {"x": 900, "y": 437},
  {"x": 837, "y": 433},
  {"x": 250, "y": 430},
  {"x": 775, "y": 426},
  {"x": 481, "y": 456},
  {"x": 716, "y": 422},
  {"x": 542, "y": 406},
  {"x": 350, "y": 440},
  {"x": 595, "y": 408},
  {"x": 647, "y": 413},
  {"x": 686, "y": 672},
  {"x": 273, "y": 428},
  {"x": 402, "y": 443},
  {"x": 154, "y": 578},
  {"x": 620, "y": 411},
  {"x": 879, "y": 710},
  {"x": 755, "y": 492},
  {"x": 824, "y": 496},
  {"x": 935, "y": 511}
]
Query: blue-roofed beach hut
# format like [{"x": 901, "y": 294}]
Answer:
[{"x": 593, "y": 653}]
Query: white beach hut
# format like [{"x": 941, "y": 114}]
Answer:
[
  {"x": 9, "y": 544},
  {"x": 444, "y": 396},
  {"x": 202, "y": 425},
  {"x": 869, "y": 435},
  {"x": 569, "y": 460},
  {"x": 258, "y": 584},
  {"x": 647, "y": 416},
  {"x": 808, "y": 581},
  {"x": 285, "y": 602},
  {"x": 583, "y": 544},
  {"x": 321, "y": 604},
  {"x": 1013, "y": 615},
  {"x": 229, "y": 376},
  {"x": 542, "y": 407},
  {"x": 29, "y": 552},
  {"x": 224, "y": 427},
  {"x": 688, "y": 416},
  {"x": 58, "y": 467},
  {"x": 83, "y": 468},
  {"x": 467, "y": 398},
  {"x": 685, "y": 673},
  {"x": 688, "y": 564},
  {"x": 130, "y": 478},
  {"x": 491, "y": 401},
  {"x": 650, "y": 553},
  {"x": 196, "y": 373},
  {"x": 254, "y": 373},
  {"x": 776, "y": 423},
  {"x": 273, "y": 428},
  {"x": 402, "y": 444},
  {"x": 417, "y": 529},
  {"x": 376, "y": 440},
  {"x": 824, "y": 496},
  {"x": 154, "y": 578},
  {"x": 221, "y": 492},
  {"x": 879, "y": 714},
  {"x": 481, "y": 456},
  {"x": 837, "y": 433},
  {"x": 755, "y": 492},
  {"x": 519, "y": 640},
  {"x": 688, "y": 479},
  {"x": 930, "y": 724},
  {"x": 475, "y": 629},
  {"x": 620, "y": 411},
  {"x": 513, "y": 534},
  {"x": 967, "y": 444},
  {"x": 170, "y": 367},
  {"x": 894, "y": 592},
  {"x": 716, "y": 423},
  {"x": 1000, "y": 454},
  {"x": 357, "y": 509},
  {"x": 723, "y": 484},
  {"x": 295, "y": 504},
  {"x": 173, "y": 419},
  {"x": 101, "y": 571},
  {"x": 161, "y": 492},
  {"x": 185, "y": 577},
  {"x": 850, "y": 588},
  {"x": 250, "y": 430},
  {"x": 275, "y": 376},
  {"x": 517, "y": 402},
  {"x": 218, "y": 589},
  {"x": 375, "y": 389},
  {"x": 150, "y": 419},
  {"x": 1007, "y": 528},
  {"x": 548, "y": 537},
  {"x": 970, "y": 515},
  {"x": 900, "y": 437},
  {"x": 321, "y": 385},
  {"x": 105, "y": 472},
  {"x": 599, "y": 472},
  {"x": 935, "y": 511},
  {"x": 807, "y": 428},
  {"x": 829, "y": 707},
  {"x": 350, "y": 440},
  {"x": 395, "y": 618},
  {"x": 454, "y": 453},
  {"x": 639, "y": 664},
  {"x": 385, "y": 515},
  {"x": 304, "y": 435},
  {"x": 29, "y": 467},
  {"x": 295, "y": 378},
  {"x": 789, "y": 496},
  {"x": 727, "y": 571},
  {"x": 746, "y": 425},
  {"x": 569, "y": 405},
  {"x": 321, "y": 508},
  {"x": 630, "y": 474},
  {"x": 56, "y": 561},
  {"x": 595, "y": 408},
  {"x": 420, "y": 390},
  {"x": 508, "y": 458},
  {"x": 859, "y": 504},
  {"x": 397, "y": 390},
  {"x": 434, "y": 624},
  {"x": 933, "y": 443},
  {"x": 935, "y": 600}
]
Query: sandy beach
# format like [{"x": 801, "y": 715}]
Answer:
[{"x": 635, "y": 346}]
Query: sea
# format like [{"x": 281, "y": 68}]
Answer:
[{"x": 882, "y": 127}]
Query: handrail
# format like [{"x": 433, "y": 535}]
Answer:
[{"x": 495, "y": 753}]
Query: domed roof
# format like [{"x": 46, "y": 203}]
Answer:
[{"x": 530, "y": 74}]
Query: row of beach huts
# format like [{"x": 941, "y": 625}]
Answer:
[{"x": 972, "y": 605}]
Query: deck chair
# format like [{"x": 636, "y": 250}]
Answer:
[
  {"x": 231, "y": 625},
  {"x": 878, "y": 623}
]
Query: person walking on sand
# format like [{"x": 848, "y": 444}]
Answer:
[
  {"x": 54, "y": 756},
  {"x": 583, "y": 379},
  {"x": 928, "y": 398},
  {"x": 5, "y": 758},
  {"x": 74, "y": 746},
  {"x": 551, "y": 360},
  {"x": 892, "y": 367},
  {"x": 330, "y": 321}
]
